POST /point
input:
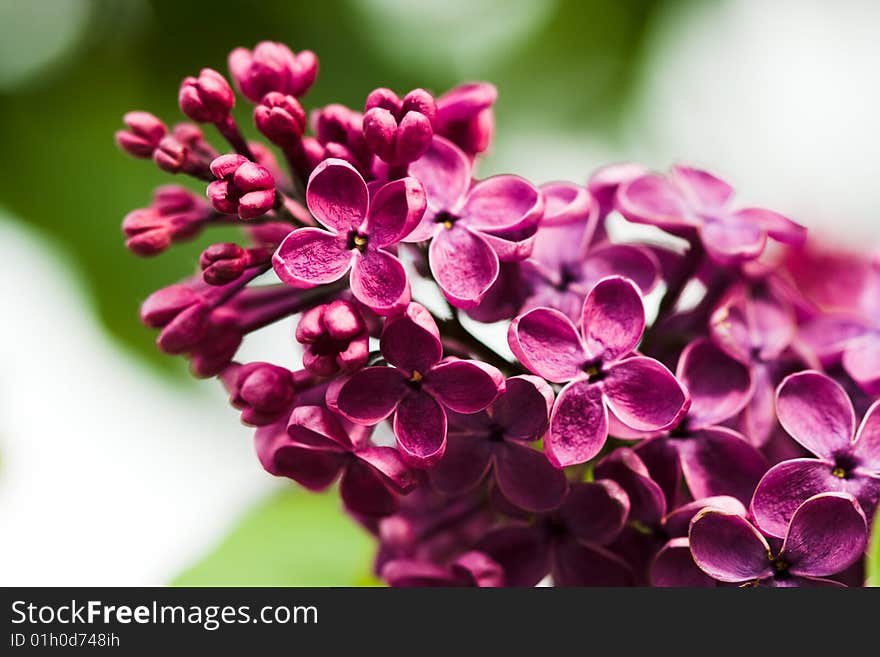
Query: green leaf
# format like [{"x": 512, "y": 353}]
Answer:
[
  {"x": 294, "y": 538},
  {"x": 874, "y": 556}
]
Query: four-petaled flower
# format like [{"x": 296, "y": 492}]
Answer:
[
  {"x": 826, "y": 534},
  {"x": 472, "y": 226},
  {"x": 639, "y": 391},
  {"x": 817, "y": 413},
  {"x": 689, "y": 199},
  {"x": 418, "y": 388},
  {"x": 357, "y": 235}
]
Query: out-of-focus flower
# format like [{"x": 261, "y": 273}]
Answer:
[
  {"x": 175, "y": 215},
  {"x": 272, "y": 67},
  {"x": 465, "y": 116}
]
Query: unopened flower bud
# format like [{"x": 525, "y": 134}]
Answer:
[
  {"x": 243, "y": 187},
  {"x": 335, "y": 338},
  {"x": 143, "y": 135},
  {"x": 399, "y": 131},
  {"x": 207, "y": 98},
  {"x": 263, "y": 392},
  {"x": 270, "y": 67},
  {"x": 280, "y": 118}
]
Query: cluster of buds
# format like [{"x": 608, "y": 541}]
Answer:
[{"x": 718, "y": 443}]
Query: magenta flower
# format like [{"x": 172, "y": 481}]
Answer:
[
  {"x": 334, "y": 337},
  {"x": 272, "y": 66},
  {"x": 357, "y": 233},
  {"x": 243, "y": 187},
  {"x": 207, "y": 98},
  {"x": 568, "y": 543},
  {"x": 339, "y": 133},
  {"x": 469, "y": 569},
  {"x": 690, "y": 199},
  {"x": 175, "y": 215},
  {"x": 566, "y": 262},
  {"x": 417, "y": 388},
  {"x": 826, "y": 534},
  {"x": 496, "y": 440},
  {"x": 817, "y": 413},
  {"x": 399, "y": 131},
  {"x": 314, "y": 448},
  {"x": 640, "y": 391},
  {"x": 280, "y": 118},
  {"x": 471, "y": 228},
  {"x": 264, "y": 392},
  {"x": 465, "y": 116}
]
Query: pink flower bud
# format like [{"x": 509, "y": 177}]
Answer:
[
  {"x": 244, "y": 188},
  {"x": 175, "y": 214},
  {"x": 272, "y": 67},
  {"x": 465, "y": 116},
  {"x": 264, "y": 392},
  {"x": 223, "y": 263},
  {"x": 335, "y": 338},
  {"x": 206, "y": 99},
  {"x": 280, "y": 118},
  {"x": 185, "y": 150},
  {"x": 144, "y": 133},
  {"x": 399, "y": 131}
]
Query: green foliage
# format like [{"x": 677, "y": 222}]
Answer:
[
  {"x": 874, "y": 556},
  {"x": 294, "y": 538}
]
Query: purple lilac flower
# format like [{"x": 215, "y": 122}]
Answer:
[
  {"x": 357, "y": 235},
  {"x": 242, "y": 187},
  {"x": 399, "y": 130},
  {"x": 469, "y": 569},
  {"x": 264, "y": 392},
  {"x": 281, "y": 119},
  {"x": 334, "y": 337},
  {"x": 314, "y": 448},
  {"x": 690, "y": 199},
  {"x": 599, "y": 373},
  {"x": 471, "y": 227},
  {"x": 568, "y": 543},
  {"x": 826, "y": 534},
  {"x": 496, "y": 440},
  {"x": 817, "y": 413},
  {"x": 465, "y": 116},
  {"x": 272, "y": 66},
  {"x": 417, "y": 388}
]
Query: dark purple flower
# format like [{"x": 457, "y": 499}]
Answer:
[
  {"x": 243, "y": 187},
  {"x": 335, "y": 338},
  {"x": 471, "y": 228},
  {"x": 568, "y": 543},
  {"x": 399, "y": 131},
  {"x": 224, "y": 262},
  {"x": 826, "y": 534},
  {"x": 357, "y": 233},
  {"x": 469, "y": 569},
  {"x": 496, "y": 440},
  {"x": 143, "y": 134},
  {"x": 691, "y": 199},
  {"x": 272, "y": 66},
  {"x": 465, "y": 116},
  {"x": 417, "y": 388},
  {"x": 175, "y": 215},
  {"x": 264, "y": 392},
  {"x": 594, "y": 362},
  {"x": 817, "y": 413},
  {"x": 314, "y": 448}
]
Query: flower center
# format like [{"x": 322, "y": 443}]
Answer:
[
  {"x": 843, "y": 466},
  {"x": 415, "y": 381},
  {"x": 357, "y": 241},
  {"x": 446, "y": 218},
  {"x": 496, "y": 434},
  {"x": 780, "y": 569},
  {"x": 593, "y": 370}
]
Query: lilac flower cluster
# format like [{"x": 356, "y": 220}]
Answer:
[{"x": 678, "y": 411}]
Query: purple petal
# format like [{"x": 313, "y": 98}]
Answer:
[
  {"x": 369, "y": 395},
  {"x": 758, "y": 419},
  {"x": 702, "y": 190},
  {"x": 337, "y": 195},
  {"x": 827, "y": 534},
  {"x": 411, "y": 573},
  {"x": 719, "y": 461},
  {"x": 378, "y": 280},
  {"x": 395, "y": 210},
  {"x": 478, "y": 569},
  {"x": 502, "y": 203},
  {"x": 729, "y": 240},
  {"x": 522, "y": 552},
  {"x": 363, "y": 491},
  {"x": 559, "y": 245},
  {"x": 719, "y": 386},
  {"x": 798, "y": 582},
  {"x": 596, "y": 511},
  {"x": 647, "y": 502},
  {"x": 674, "y": 567},
  {"x": 464, "y": 265},
  {"x": 861, "y": 360},
  {"x": 465, "y": 386},
  {"x": 547, "y": 343},
  {"x": 776, "y": 225},
  {"x": 464, "y": 465},
  {"x": 578, "y": 425},
  {"x": 867, "y": 447},
  {"x": 636, "y": 263},
  {"x": 643, "y": 394},
  {"x": 420, "y": 427},
  {"x": 577, "y": 564},
  {"x": 411, "y": 340},
  {"x": 445, "y": 172},
  {"x": 613, "y": 318},
  {"x": 816, "y": 411},
  {"x": 678, "y": 521},
  {"x": 311, "y": 256},
  {"x": 604, "y": 182},
  {"x": 830, "y": 335},
  {"x": 524, "y": 407},
  {"x": 661, "y": 457},
  {"x": 567, "y": 203},
  {"x": 527, "y": 478},
  {"x": 315, "y": 426},
  {"x": 387, "y": 463},
  {"x": 728, "y": 548},
  {"x": 652, "y": 199},
  {"x": 312, "y": 468}
]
